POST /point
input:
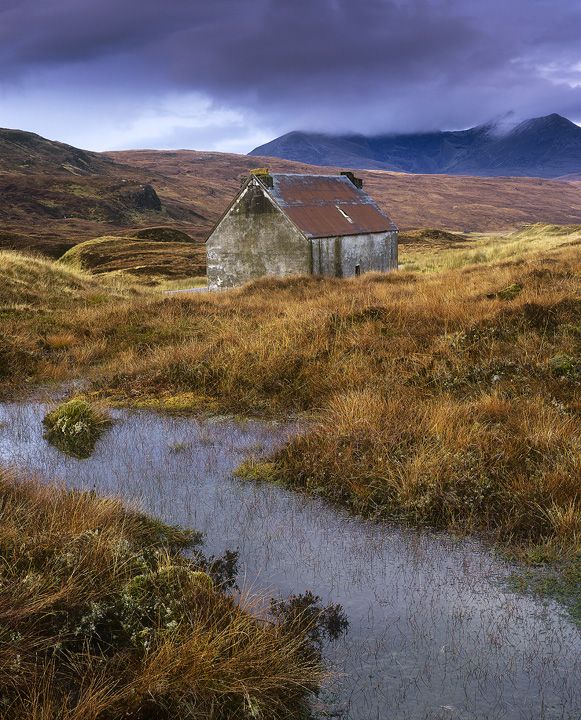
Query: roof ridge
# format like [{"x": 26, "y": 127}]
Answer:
[{"x": 310, "y": 175}]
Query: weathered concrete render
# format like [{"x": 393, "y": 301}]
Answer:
[
  {"x": 253, "y": 239},
  {"x": 350, "y": 255}
]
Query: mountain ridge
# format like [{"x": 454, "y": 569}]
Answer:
[{"x": 548, "y": 147}]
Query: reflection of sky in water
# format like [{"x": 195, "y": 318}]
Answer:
[{"x": 432, "y": 634}]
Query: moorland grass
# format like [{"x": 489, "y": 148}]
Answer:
[
  {"x": 30, "y": 280},
  {"x": 432, "y": 250},
  {"x": 103, "y": 616},
  {"x": 449, "y": 398},
  {"x": 36, "y": 295}
]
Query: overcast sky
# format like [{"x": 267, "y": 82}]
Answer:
[{"x": 232, "y": 74}]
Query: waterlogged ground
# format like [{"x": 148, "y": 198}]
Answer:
[{"x": 434, "y": 633}]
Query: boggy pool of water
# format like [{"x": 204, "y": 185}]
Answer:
[{"x": 434, "y": 632}]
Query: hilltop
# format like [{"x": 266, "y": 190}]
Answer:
[
  {"x": 55, "y": 195},
  {"x": 547, "y": 147}
]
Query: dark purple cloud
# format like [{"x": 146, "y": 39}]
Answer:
[{"x": 365, "y": 65}]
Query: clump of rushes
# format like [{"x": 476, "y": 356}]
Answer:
[
  {"x": 75, "y": 426},
  {"x": 504, "y": 469},
  {"x": 103, "y": 615}
]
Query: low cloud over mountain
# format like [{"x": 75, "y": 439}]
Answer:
[
  {"x": 543, "y": 147},
  {"x": 227, "y": 74}
]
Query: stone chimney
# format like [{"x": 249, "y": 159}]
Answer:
[
  {"x": 263, "y": 175},
  {"x": 358, "y": 182}
]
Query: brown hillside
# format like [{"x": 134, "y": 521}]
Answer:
[
  {"x": 444, "y": 201},
  {"x": 55, "y": 196}
]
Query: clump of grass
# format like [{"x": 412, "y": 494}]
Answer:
[
  {"x": 508, "y": 469},
  {"x": 103, "y": 615},
  {"x": 75, "y": 426},
  {"x": 253, "y": 469}
]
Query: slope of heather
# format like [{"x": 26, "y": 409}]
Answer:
[{"x": 55, "y": 195}]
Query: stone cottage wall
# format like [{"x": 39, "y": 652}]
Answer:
[
  {"x": 254, "y": 239},
  {"x": 340, "y": 256}
]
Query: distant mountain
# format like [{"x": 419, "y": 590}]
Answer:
[{"x": 546, "y": 147}]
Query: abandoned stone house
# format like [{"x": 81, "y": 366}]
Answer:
[{"x": 287, "y": 224}]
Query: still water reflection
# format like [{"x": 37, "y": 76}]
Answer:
[{"x": 434, "y": 633}]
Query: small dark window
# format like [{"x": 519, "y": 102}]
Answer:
[{"x": 357, "y": 270}]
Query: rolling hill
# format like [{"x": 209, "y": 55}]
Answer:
[
  {"x": 541, "y": 147},
  {"x": 55, "y": 196},
  {"x": 442, "y": 201}
]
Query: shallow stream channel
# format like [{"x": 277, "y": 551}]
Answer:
[{"x": 434, "y": 630}]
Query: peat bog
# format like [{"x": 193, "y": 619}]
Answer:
[{"x": 434, "y": 628}]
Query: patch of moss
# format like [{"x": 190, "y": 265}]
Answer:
[
  {"x": 253, "y": 469},
  {"x": 510, "y": 292},
  {"x": 566, "y": 366},
  {"x": 75, "y": 426},
  {"x": 561, "y": 583},
  {"x": 180, "y": 404}
]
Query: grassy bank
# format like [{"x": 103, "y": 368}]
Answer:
[
  {"x": 449, "y": 398},
  {"x": 103, "y": 616},
  {"x": 139, "y": 259},
  {"x": 436, "y": 250}
]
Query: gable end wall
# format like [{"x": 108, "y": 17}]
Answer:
[{"x": 254, "y": 239}]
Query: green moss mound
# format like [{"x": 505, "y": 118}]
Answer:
[{"x": 75, "y": 426}]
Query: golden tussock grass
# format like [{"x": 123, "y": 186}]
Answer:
[
  {"x": 450, "y": 398},
  {"x": 429, "y": 250},
  {"x": 30, "y": 280},
  {"x": 102, "y": 616}
]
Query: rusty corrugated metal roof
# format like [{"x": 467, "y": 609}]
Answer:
[{"x": 327, "y": 205}]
